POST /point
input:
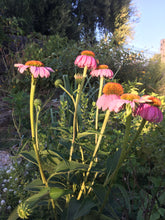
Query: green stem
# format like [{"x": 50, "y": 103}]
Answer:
[
  {"x": 68, "y": 94},
  {"x": 75, "y": 112},
  {"x": 94, "y": 153},
  {"x": 97, "y": 110},
  {"x": 32, "y": 92},
  {"x": 121, "y": 159},
  {"x": 143, "y": 122}
]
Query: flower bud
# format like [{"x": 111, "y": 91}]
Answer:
[
  {"x": 23, "y": 211},
  {"x": 58, "y": 82},
  {"x": 78, "y": 77},
  {"x": 37, "y": 103}
]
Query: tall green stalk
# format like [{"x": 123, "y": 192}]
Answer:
[
  {"x": 123, "y": 155},
  {"x": 75, "y": 111},
  {"x": 121, "y": 159},
  {"x": 97, "y": 110},
  {"x": 94, "y": 153},
  {"x": 32, "y": 92}
]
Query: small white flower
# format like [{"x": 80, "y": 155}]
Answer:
[
  {"x": 8, "y": 171},
  {"x": 20, "y": 201},
  {"x": 16, "y": 179},
  {"x": 3, "y": 202},
  {"x": 9, "y": 207},
  {"x": 10, "y": 177},
  {"x": 5, "y": 190},
  {"x": 3, "y": 185},
  {"x": 5, "y": 180},
  {"x": 11, "y": 190},
  {"x": 15, "y": 192}
]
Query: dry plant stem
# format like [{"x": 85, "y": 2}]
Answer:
[
  {"x": 75, "y": 111},
  {"x": 121, "y": 159},
  {"x": 94, "y": 153}
]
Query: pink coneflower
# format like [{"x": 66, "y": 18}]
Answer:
[
  {"x": 36, "y": 68},
  {"x": 150, "y": 112},
  {"x": 127, "y": 98},
  {"x": 112, "y": 92},
  {"x": 86, "y": 59},
  {"x": 102, "y": 71}
]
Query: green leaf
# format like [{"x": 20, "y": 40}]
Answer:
[
  {"x": 162, "y": 198},
  {"x": 112, "y": 161},
  {"x": 32, "y": 200},
  {"x": 30, "y": 156},
  {"x": 14, "y": 214},
  {"x": 125, "y": 195},
  {"x": 100, "y": 192},
  {"x": 85, "y": 207},
  {"x": 94, "y": 215},
  {"x": 87, "y": 133},
  {"x": 155, "y": 216},
  {"x": 56, "y": 192},
  {"x": 35, "y": 185},
  {"x": 65, "y": 167}
]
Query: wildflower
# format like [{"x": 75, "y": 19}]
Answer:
[
  {"x": 36, "y": 68},
  {"x": 8, "y": 171},
  {"x": 3, "y": 202},
  {"x": 148, "y": 109},
  {"x": 9, "y": 207},
  {"x": 86, "y": 59},
  {"x": 78, "y": 77},
  {"x": 112, "y": 91},
  {"x": 102, "y": 70},
  {"x": 150, "y": 100},
  {"x": 127, "y": 98},
  {"x": 5, "y": 190},
  {"x": 149, "y": 113},
  {"x": 23, "y": 211}
]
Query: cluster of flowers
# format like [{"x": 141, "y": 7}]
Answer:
[{"x": 113, "y": 97}]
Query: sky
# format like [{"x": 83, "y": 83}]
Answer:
[{"x": 150, "y": 28}]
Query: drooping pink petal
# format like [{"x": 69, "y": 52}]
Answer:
[
  {"x": 149, "y": 113},
  {"x": 105, "y": 101},
  {"x": 84, "y": 60},
  {"x": 117, "y": 105},
  {"x": 49, "y": 69},
  {"x": 34, "y": 70}
]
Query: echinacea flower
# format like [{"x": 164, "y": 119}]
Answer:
[
  {"x": 127, "y": 98},
  {"x": 150, "y": 100},
  {"x": 148, "y": 109},
  {"x": 102, "y": 71},
  {"x": 86, "y": 59},
  {"x": 149, "y": 113},
  {"x": 112, "y": 92},
  {"x": 37, "y": 68}
]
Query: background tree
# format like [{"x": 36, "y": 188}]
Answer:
[{"x": 76, "y": 19}]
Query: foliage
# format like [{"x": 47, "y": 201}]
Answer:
[{"x": 67, "y": 18}]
